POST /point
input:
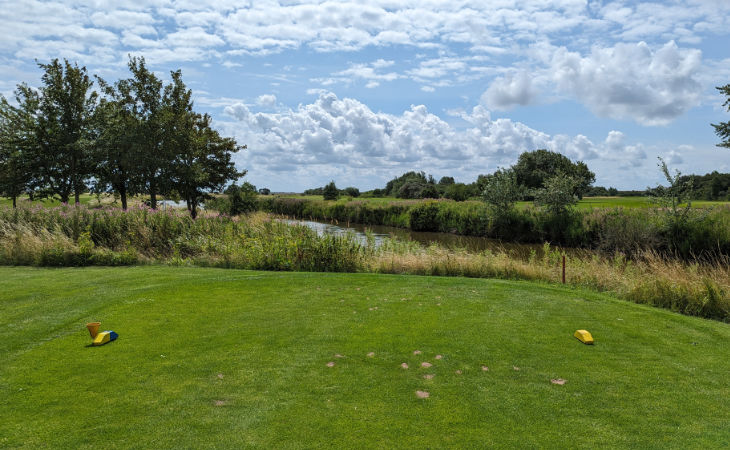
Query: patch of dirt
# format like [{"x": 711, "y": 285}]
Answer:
[
  {"x": 559, "y": 381},
  {"x": 485, "y": 368},
  {"x": 337, "y": 355},
  {"x": 426, "y": 365},
  {"x": 422, "y": 394},
  {"x": 428, "y": 376},
  {"x": 371, "y": 355},
  {"x": 416, "y": 352},
  {"x": 458, "y": 372},
  {"x": 331, "y": 364},
  {"x": 220, "y": 376},
  {"x": 220, "y": 403},
  {"x": 515, "y": 368},
  {"x": 404, "y": 366},
  {"x": 438, "y": 357}
]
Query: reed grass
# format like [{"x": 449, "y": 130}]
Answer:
[{"x": 78, "y": 236}]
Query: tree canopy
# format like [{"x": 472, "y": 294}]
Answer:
[
  {"x": 138, "y": 136},
  {"x": 533, "y": 169}
]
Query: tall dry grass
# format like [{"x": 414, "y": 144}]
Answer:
[{"x": 692, "y": 289}]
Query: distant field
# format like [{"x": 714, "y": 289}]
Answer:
[
  {"x": 585, "y": 203},
  {"x": 210, "y": 358}
]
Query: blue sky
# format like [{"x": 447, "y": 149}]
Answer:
[{"x": 359, "y": 92}]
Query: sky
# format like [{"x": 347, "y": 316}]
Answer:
[{"x": 361, "y": 92}]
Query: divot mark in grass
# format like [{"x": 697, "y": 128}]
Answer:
[
  {"x": 331, "y": 364},
  {"x": 458, "y": 372},
  {"x": 337, "y": 355},
  {"x": 559, "y": 381},
  {"x": 428, "y": 376},
  {"x": 404, "y": 366},
  {"x": 422, "y": 394},
  {"x": 485, "y": 369},
  {"x": 220, "y": 403},
  {"x": 371, "y": 355},
  {"x": 220, "y": 376},
  {"x": 426, "y": 365},
  {"x": 416, "y": 352},
  {"x": 515, "y": 368},
  {"x": 438, "y": 356}
]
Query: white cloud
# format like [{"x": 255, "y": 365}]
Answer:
[
  {"x": 267, "y": 100},
  {"x": 346, "y": 136},
  {"x": 509, "y": 91},
  {"x": 630, "y": 81}
]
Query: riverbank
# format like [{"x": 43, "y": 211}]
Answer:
[
  {"x": 68, "y": 236},
  {"x": 701, "y": 233}
]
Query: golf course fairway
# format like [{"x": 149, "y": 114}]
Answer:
[{"x": 231, "y": 359}]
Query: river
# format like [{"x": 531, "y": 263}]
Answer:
[{"x": 472, "y": 244}]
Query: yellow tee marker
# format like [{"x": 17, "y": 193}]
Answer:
[{"x": 584, "y": 336}]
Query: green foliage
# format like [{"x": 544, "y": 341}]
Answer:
[
  {"x": 534, "y": 169},
  {"x": 557, "y": 194},
  {"x": 18, "y": 147},
  {"x": 351, "y": 191},
  {"x": 201, "y": 158},
  {"x": 64, "y": 132},
  {"x": 723, "y": 128},
  {"x": 241, "y": 199},
  {"x": 412, "y": 185},
  {"x": 501, "y": 190},
  {"x": 330, "y": 191},
  {"x": 457, "y": 192}
]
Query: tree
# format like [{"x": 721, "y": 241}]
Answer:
[
  {"x": 501, "y": 190},
  {"x": 557, "y": 194},
  {"x": 117, "y": 157},
  {"x": 64, "y": 129},
  {"x": 394, "y": 187},
  {"x": 17, "y": 143},
  {"x": 200, "y": 160},
  {"x": 351, "y": 191},
  {"x": 242, "y": 198},
  {"x": 457, "y": 192},
  {"x": 145, "y": 103},
  {"x": 330, "y": 191},
  {"x": 723, "y": 128},
  {"x": 533, "y": 169},
  {"x": 670, "y": 198}
]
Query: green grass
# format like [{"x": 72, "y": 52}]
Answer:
[
  {"x": 585, "y": 203},
  {"x": 85, "y": 199},
  {"x": 654, "y": 379}
]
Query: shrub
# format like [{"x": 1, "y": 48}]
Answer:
[{"x": 330, "y": 191}]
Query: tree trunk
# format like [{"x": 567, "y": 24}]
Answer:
[
  {"x": 77, "y": 197},
  {"x": 194, "y": 210},
  {"x": 123, "y": 195},
  {"x": 14, "y": 197},
  {"x": 153, "y": 194}
]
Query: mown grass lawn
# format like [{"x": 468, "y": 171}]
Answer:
[{"x": 227, "y": 358}]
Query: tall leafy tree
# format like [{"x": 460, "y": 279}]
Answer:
[
  {"x": 533, "y": 169},
  {"x": 17, "y": 143},
  {"x": 723, "y": 128},
  {"x": 63, "y": 132},
  {"x": 116, "y": 153},
  {"x": 200, "y": 158},
  {"x": 145, "y": 102}
]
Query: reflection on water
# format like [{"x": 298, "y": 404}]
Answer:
[{"x": 472, "y": 244}]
